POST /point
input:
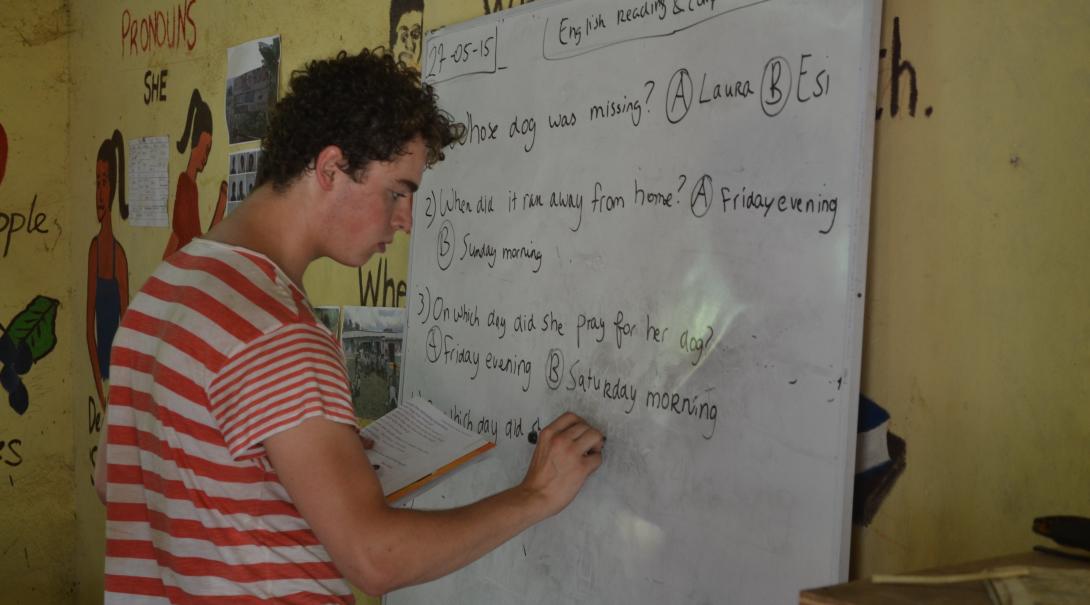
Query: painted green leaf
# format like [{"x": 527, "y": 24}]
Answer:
[{"x": 36, "y": 326}]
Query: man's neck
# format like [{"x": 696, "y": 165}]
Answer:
[{"x": 274, "y": 224}]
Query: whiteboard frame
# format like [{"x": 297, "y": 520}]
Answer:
[{"x": 855, "y": 312}]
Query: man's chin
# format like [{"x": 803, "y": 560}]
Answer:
[{"x": 366, "y": 258}]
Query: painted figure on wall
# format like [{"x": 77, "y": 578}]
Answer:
[
  {"x": 27, "y": 338},
  {"x": 185, "y": 223},
  {"x": 495, "y": 6},
  {"x": 107, "y": 265},
  {"x": 406, "y": 31}
]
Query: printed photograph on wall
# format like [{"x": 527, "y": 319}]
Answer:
[
  {"x": 330, "y": 318},
  {"x": 185, "y": 222},
  {"x": 107, "y": 263},
  {"x": 253, "y": 76},
  {"x": 371, "y": 338},
  {"x": 242, "y": 173}
]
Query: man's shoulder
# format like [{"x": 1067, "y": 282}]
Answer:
[{"x": 223, "y": 294}]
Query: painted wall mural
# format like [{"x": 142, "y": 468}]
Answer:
[
  {"x": 495, "y": 6},
  {"x": 185, "y": 223},
  {"x": 407, "y": 31},
  {"x": 107, "y": 263},
  {"x": 28, "y": 337},
  {"x": 14, "y": 221}
]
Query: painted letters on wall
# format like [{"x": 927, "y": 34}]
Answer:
[
  {"x": 15, "y": 221},
  {"x": 898, "y": 80}
]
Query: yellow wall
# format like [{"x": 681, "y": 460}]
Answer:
[
  {"x": 977, "y": 331},
  {"x": 977, "y": 334},
  {"x": 108, "y": 92},
  {"x": 36, "y": 457}
]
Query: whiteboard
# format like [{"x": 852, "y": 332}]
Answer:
[{"x": 657, "y": 219}]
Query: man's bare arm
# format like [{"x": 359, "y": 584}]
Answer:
[{"x": 323, "y": 466}]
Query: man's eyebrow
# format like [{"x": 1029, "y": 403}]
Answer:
[{"x": 410, "y": 184}]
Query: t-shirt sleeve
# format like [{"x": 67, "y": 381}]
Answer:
[{"x": 277, "y": 381}]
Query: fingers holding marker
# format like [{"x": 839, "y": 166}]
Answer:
[
  {"x": 564, "y": 422},
  {"x": 575, "y": 431},
  {"x": 570, "y": 427},
  {"x": 590, "y": 441},
  {"x": 567, "y": 451}
]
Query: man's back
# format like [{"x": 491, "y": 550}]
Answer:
[{"x": 217, "y": 352}]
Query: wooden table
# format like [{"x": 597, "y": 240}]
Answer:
[{"x": 865, "y": 592}]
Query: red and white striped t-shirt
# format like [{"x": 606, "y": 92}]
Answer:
[{"x": 217, "y": 352}]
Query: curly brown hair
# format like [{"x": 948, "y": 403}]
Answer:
[{"x": 367, "y": 105}]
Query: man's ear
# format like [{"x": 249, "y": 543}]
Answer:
[{"x": 327, "y": 166}]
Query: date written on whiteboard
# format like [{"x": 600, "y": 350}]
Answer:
[{"x": 459, "y": 54}]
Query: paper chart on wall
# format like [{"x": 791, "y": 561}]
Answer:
[{"x": 148, "y": 181}]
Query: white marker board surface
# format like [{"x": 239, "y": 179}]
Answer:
[{"x": 657, "y": 219}]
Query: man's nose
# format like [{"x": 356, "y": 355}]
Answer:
[{"x": 403, "y": 216}]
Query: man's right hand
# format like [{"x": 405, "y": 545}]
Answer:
[
  {"x": 323, "y": 467},
  {"x": 567, "y": 452}
]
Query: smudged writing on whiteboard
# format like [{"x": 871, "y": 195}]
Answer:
[{"x": 581, "y": 375}]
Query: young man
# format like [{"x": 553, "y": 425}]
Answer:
[{"x": 232, "y": 469}]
